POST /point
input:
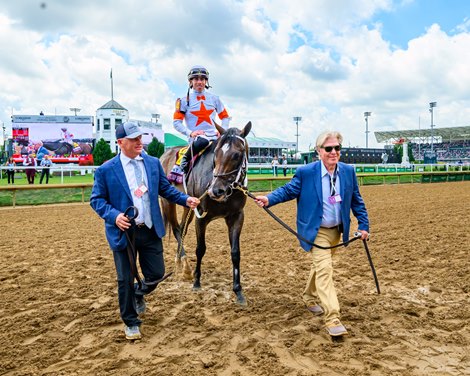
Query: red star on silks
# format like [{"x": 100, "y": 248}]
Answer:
[{"x": 203, "y": 115}]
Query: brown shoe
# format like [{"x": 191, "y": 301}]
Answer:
[
  {"x": 335, "y": 328},
  {"x": 316, "y": 310}
]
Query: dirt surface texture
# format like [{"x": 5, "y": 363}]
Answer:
[{"x": 59, "y": 312}]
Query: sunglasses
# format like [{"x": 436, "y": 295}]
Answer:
[{"x": 329, "y": 149}]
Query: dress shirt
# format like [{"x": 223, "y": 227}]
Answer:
[
  {"x": 331, "y": 212},
  {"x": 134, "y": 184}
]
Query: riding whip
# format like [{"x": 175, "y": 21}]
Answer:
[{"x": 366, "y": 247}]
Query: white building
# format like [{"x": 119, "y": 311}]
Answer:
[
  {"x": 112, "y": 114},
  {"x": 108, "y": 117}
]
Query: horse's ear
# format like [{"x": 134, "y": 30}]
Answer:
[
  {"x": 246, "y": 130},
  {"x": 219, "y": 128}
]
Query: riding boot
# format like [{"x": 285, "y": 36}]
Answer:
[
  {"x": 184, "y": 164},
  {"x": 199, "y": 143}
]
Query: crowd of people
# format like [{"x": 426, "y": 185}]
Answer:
[
  {"x": 31, "y": 166},
  {"x": 446, "y": 151},
  {"x": 279, "y": 163}
]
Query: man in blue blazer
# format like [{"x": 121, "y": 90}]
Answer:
[
  {"x": 133, "y": 178},
  {"x": 326, "y": 193}
]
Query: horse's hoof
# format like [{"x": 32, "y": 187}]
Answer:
[
  {"x": 241, "y": 299},
  {"x": 196, "y": 287}
]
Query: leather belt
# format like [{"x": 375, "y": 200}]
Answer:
[
  {"x": 330, "y": 228},
  {"x": 140, "y": 225}
]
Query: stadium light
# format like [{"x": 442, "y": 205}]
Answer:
[
  {"x": 366, "y": 116},
  {"x": 297, "y": 119},
  {"x": 156, "y": 117},
  {"x": 75, "y": 110},
  {"x": 431, "y": 106}
]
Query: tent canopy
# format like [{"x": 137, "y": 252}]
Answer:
[
  {"x": 447, "y": 134},
  {"x": 172, "y": 140}
]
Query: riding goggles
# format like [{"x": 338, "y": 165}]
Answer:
[
  {"x": 329, "y": 149},
  {"x": 198, "y": 72}
]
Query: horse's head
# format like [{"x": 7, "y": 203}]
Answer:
[{"x": 230, "y": 162}]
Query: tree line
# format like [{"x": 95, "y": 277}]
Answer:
[{"x": 102, "y": 151}]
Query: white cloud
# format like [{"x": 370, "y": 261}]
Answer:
[{"x": 269, "y": 61}]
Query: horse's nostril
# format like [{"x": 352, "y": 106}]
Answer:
[{"x": 219, "y": 192}]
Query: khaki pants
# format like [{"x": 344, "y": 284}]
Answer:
[{"x": 320, "y": 281}]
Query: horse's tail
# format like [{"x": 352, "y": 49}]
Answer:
[{"x": 169, "y": 217}]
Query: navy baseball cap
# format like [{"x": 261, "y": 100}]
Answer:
[{"x": 128, "y": 130}]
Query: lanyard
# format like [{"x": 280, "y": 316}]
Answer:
[{"x": 333, "y": 181}]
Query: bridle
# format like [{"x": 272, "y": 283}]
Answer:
[{"x": 240, "y": 170}]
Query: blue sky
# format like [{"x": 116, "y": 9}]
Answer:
[
  {"x": 410, "y": 19},
  {"x": 327, "y": 61}
]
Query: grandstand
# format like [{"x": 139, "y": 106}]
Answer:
[
  {"x": 263, "y": 149},
  {"x": 357, "y": 156},
  {"x": 449, "y": 144}
]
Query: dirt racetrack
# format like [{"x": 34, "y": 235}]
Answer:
[{"x": 59, "y": 312}]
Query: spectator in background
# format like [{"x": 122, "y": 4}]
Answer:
[
  {"x": 30, "y": 164},
  {"x": 284, "y": 165},
  {"x": 275, "y": 164},
  {"x": 46, "y": 164},
  {"x": 11, "y": 170}
]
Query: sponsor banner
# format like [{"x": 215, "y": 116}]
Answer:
[{"x": 18, "y": 119}]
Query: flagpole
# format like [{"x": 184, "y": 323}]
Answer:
[{"x": 111, "y": 76}]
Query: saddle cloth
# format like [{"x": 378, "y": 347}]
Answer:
[
  {"x": 179, "y": 155},
  {"x": 176, "y": 173}
]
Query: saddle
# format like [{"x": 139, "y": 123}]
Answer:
[{"x": 176, "y": 174}]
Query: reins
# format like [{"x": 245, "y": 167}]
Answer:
[
  {"x": 291, "y": 230},
  {"x": 132, "y": 251},
  {"x": 185, "y": 225},
  {"x": 357, "y": 235}
]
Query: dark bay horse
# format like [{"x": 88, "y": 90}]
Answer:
[{"x": 214, "y": 177}]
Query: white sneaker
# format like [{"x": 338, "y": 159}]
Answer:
[
  {"x": 335, "y": 328},
  {"x": 132, "y": 332}
]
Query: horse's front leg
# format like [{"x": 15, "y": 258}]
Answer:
[
  {"x": 235, "y": 225},
  {"x": 201, "y": 225}
]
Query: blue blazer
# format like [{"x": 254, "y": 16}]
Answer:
[
  {"x": 111, "y": 196},
  {"x": 306, "y": 187}
]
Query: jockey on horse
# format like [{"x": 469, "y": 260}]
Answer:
[{"x": 198, "y": 110}]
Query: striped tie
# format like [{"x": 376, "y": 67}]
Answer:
[{"x": 145, "y": 198}]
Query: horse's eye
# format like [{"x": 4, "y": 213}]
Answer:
[{"x": 236, "y": 156}]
